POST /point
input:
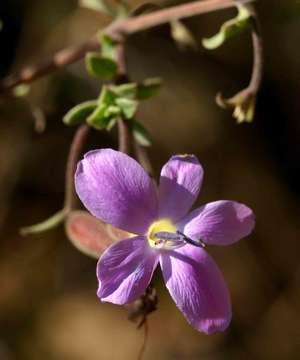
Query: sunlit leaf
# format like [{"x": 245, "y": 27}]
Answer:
[
  {"x": 79, "y": 113},
  {"x": 101, "y": 67},
  {"x": 122, "y": 8},
  {"x": 108, "y": 46},
  {"x": 106, "y": 110},
  {"x": 98, "y": 5},
  {"x": 128, "y": 90},
  {"x": 148, "y": 88},
  {"x": 21, "y": 90},
  {"x": 128, "y": 107},
  {"x": 182, "y": 35},
  {"x": 140, "y": 134},
  {"x": 229, "y": 29}
]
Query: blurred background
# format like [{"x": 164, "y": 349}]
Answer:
[{"x": 48, "y": 303}]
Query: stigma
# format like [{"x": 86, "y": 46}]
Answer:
[{"x": 164, "y": 235}]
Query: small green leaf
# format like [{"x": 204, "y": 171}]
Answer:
[
  {"x": 182, "y": 35},
  {"x": 102, "y": 116},
  {"x": 101, "y": 67},
  {"x": 229, "y": 29},
  {"x": 128, "y": 90},
  {"x": 111, "y": 123},
  {"x": 48, "y": 224},
  {"x": 98, "y": 119},
  {"x": 98, "y": 5},
  {"x": 127, "y": 106},
  {"x": 21, "y": 90},
  {"x": 148, "y": 88},
  {"x": 79, "y": 113},
  {"x": 122, "y": 8},
  {"x": 105, "y": 111},
  {"x": 108, "y": 46},
  {"x": 140, "y": 134}
]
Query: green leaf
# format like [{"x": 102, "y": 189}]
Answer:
[
  {"x": 229, "y": 29},
  {"x": 98, "y": 5},
  {"x": 1, "y": 25},
  {"x": 48, "y": 224},
  {"x": 80, "y": 112},
  {"x": 128, "y": 107},
  {"x": 101, "y": 67},
  {"x": 105, "y": 111},
  {"x": 182, "y": 35},
  {"x": 108, "y": 46},
  {"x": 100, "y": 118},
  {"x": 21, "y": 90},
  {"x": 120, "y": 100},
  {"x": 128, "y": 90},
  {"x": 123, "y": 9},
  {"x": 111, "y": 123},
  {"x": 140, "y": 134},
  {"x": 148, "y": 88}
]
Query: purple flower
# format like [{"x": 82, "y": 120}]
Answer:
[{"x": 116, "y": 189}]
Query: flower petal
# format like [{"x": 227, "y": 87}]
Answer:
[
  {"x": 180, "y": 182},
  {"x": 125, "y": 269},
  {"x": 198, "y": 288},
  {"x": 116, "y": 189},
  {"x": 219, "y": 223}
]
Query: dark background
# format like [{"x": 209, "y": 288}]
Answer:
[{"x": 48, "y": 303}]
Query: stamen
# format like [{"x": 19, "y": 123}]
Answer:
[
  {"x": 175, "y": 240},
  {"x": 168, "y": 240},
  {"x": 198, "y": 242},
  {"x": 165, "y": 235}
]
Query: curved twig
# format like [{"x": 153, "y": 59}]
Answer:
[
  {"x": 117, "y": 29},
  {"x": 74, "y": 154}
]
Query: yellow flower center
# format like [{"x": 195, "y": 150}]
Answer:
[{"x": 163, "y": 225}]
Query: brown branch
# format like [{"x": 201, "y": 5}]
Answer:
[
  {"x": 144, "y": 22},
  {"x": 117, "y": 29},
  {"x": 74, "y": 154},
  {"x": 145, "y": 339},
  {"x": 142, "y": 158},
  {"x": 124, "y": 136},
  {"x": 257, "y": 44},
  {"x": 61, "y": 59}
]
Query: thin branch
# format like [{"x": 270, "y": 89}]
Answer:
[
  {"x": 144, "y": 22},
  {"x": 74, "y": 154},
  {"x": 117, "y": 29},
  {"x": 257, "y": 44},
  {"x": 61, "y": 59},
  {"x": 124, "y": 136},
  {"x": 142, "y": 158},
  {"x": 145, "y": 340}
]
